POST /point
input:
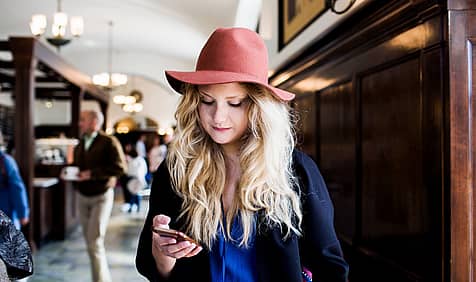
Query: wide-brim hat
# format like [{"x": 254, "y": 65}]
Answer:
[{"x": 229, "y": 55}]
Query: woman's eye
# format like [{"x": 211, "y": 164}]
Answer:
[
  {"x": 236, "y": 105},
  {"x": 206, "y": 102}
]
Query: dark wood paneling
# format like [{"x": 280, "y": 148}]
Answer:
[
  {"x": 337, "y": 127},
  {"x": 44, "y": 214},
  {"x": 472, "y": 88},
  {"x": 461, "y": 4},
  {"x": 395, "y": 212},
  {"x": 305, "y": 106},
  {"x": 369, "y": 34},
  {"x": 435, "y": 156},
  {"x": 382, "y": 137},
  {"x": 4, "y": 46},
  {"x": 63, "y": 210}
]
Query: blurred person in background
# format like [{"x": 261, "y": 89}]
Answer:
[
  {"x": 157, "y": 153},
  {"x": 140, "y": 146},
  {"x": 101, "y": 162},
  {"x": 13, "y": 195}
]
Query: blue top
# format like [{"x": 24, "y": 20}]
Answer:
[
  {"x": 13, "y": 196},
  {"x": 228, "y": 261}
]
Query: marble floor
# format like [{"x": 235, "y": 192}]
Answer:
[{"x": 68, "y": 260}]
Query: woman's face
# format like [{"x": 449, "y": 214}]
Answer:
[{"x": 223, "y": 112}]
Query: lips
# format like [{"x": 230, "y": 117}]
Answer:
[{"x": 221, "y": 129}]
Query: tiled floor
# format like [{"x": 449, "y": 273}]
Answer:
[{"x": 68, "y": 260}]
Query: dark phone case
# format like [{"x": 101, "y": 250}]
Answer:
[{"x": 171, "y": 233}]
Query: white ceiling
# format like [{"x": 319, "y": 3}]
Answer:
[{"x": 148, "y": 35}]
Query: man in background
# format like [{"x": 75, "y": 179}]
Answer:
[{"x": 101, "y": 162}]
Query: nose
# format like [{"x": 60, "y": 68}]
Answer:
[{"x": 220, "y": 114}]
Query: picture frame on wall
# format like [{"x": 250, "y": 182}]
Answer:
[{"x": 296, "y": 15}]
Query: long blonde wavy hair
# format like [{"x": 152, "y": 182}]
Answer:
[{"x": 197, "y": 168}]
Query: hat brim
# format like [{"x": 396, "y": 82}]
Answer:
[{"x": 176, "y": 79}]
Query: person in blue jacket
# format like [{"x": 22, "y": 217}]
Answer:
[
  {"x": 13, "y": 195},
  {"x": 256, "y": 208}
]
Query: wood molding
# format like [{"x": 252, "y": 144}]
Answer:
[
  {"x": 55, "y": 65},
  {"x": 381, "y": 20},
  {"x": 25, "y": 63},
  {"x": 462, "y": 57}
]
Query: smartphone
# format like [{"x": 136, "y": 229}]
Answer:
[{"x": 171, "y": 233}]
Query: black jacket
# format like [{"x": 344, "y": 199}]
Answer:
[{"x": 278, "y": 260}]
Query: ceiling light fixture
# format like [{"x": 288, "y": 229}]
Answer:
[
  {"x": 130, "y": 103},
  {"x": 38, "y": 26},
  {"x": 109, "y": 80}
]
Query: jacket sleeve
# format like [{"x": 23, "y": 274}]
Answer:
[
  {"x": 18, "y": 195},
  {"x": 319, "y": 247},
  {"x": 162, "y": 200},
  {"x": 145, "y": 262}
]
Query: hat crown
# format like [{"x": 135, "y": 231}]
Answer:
[{"x": 236, "y": 50}]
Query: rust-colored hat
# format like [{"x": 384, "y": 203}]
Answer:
[{"x": 230, "y": 55}]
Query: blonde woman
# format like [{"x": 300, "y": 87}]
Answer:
[{"x": 257, "y": 209}]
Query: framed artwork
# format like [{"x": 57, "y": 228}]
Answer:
[{"x": 295, "y": 15}]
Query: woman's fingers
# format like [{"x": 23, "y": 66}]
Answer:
[
  {"x": 194, "y": 251},
  {"x": 161, "y": 220},
  {"x": 169, "y": 246},
  {"x": 181, "y": 249}
]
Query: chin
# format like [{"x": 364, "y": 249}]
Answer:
[{"x": 221, "y": 141}]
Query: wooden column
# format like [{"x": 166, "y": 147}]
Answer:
[
  {"x": 25, "y": 63},
  {"x": 77, "y": 97},
  {"x": 462, "y": 72}
]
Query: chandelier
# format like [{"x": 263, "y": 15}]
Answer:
[
  {"x": 109, "y": 80},
  {"x": 38, "y": 26},
  {"x": 130, "y": 103}
]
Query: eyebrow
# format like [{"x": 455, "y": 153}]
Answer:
[{"x": 229, "y": 97}]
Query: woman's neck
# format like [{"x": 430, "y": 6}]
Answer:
[{"x": 232, "y": 181}]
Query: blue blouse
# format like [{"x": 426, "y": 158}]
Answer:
[{"x": 228, "y": 261}]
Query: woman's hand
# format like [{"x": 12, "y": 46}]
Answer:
[{"x": 166, "y": 250}]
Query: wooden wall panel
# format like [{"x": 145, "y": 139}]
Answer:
[
  {"x": 394, "y": 201},
  {"x": 435, "y": 152},
  {"x": 472, "y": 89},
  {"x": 306, "y": 112},
  {"x": 382, "y": 137},
  {"x": 336, "y": 133},
  {"x": 462, "y": 104}
]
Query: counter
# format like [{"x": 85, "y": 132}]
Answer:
[
  {"x": 45, "y": 182},
  {"x": 55, "y": 207}
]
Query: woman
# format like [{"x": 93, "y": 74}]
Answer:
[
  {"x": 157, "y": 153},
  {"x": 136, "y": 172},
  {"x": 232, "y": 181}
]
